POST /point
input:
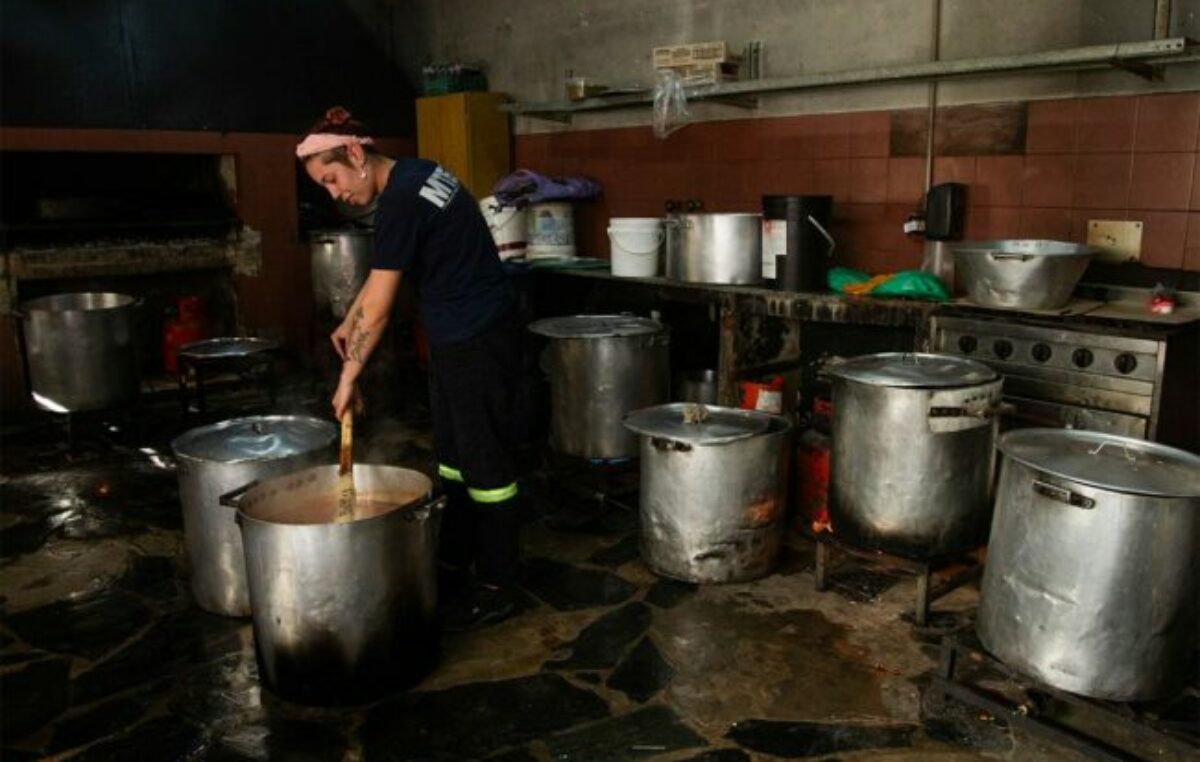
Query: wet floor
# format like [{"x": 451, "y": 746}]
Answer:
[{"x": 103, "y": 655}]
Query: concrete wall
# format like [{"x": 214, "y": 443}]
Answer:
[{"x": 528, "y": 47}]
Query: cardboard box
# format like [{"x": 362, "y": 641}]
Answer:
[
  {"x": 706, "y": 73},
  {"x": 669, "y": 56}
]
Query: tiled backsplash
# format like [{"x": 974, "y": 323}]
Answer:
[{"x": 1125, "y": 158}]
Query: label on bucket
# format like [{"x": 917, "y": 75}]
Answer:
[
  {"x": 774, "y": 243},
  {"x": 549, "y": 229}
]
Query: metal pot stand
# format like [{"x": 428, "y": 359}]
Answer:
[
  {"x": 202, "y": 361},
  {"x": 1110, "y": 731},
  {"x": 936, "y": 577}
]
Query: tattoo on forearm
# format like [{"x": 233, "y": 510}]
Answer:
[{"x": 358, "y": 343}]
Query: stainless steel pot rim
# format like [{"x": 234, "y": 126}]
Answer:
[
  {"x": 916, "y": 370},
  {"x": 1106, "y": 461},
  {"x": 595, "y": 326},
  {"x": 316, "y": 235},
  {"x": 254, "y": 439},
  {"x": 1031, "y": 246},
  {"x": 713, "y": 215},
  {"x": 722, "y": 425},
  {"x": 227, "y": 346},
  {"x": 418, "y": 502},
  {"x": 74, "y": 302}
]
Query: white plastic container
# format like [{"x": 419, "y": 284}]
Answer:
[
  {"x": 551, "y": 230},
  {"x": 634, "y": 246},
  {"x": 509, "y": 226}
]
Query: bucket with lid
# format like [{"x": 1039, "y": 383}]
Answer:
[
  {"x": 635, "y": 243},
  {"x": 551, "y": 229},
  {"x": 509, "y": 226}
]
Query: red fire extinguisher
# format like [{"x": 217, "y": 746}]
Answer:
[{"x": 189, "y": 324}]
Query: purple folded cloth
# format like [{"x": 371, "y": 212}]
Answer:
[{"x": 525, "y": 187}]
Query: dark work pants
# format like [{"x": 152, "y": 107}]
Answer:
[{"x": 473, "y": 397}]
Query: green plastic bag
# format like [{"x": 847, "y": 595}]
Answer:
[{"x": 910, "y": 284}]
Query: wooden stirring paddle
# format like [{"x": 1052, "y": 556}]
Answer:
[{"x": 346, "y": 496}]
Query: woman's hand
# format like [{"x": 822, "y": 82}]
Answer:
[
  {"x": 345, "y": 396},
  {"x": 341, "y": 336}
]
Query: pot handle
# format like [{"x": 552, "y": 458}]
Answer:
[
  {"x": 1063, "y": 495},
  {"x": 984, "y": 414},
  {"x": 1010, "y": 255},
  {"x": 233, "y": 498},
  {"x": 824, "y": 234},
  {"x": 423, "y": 510}
]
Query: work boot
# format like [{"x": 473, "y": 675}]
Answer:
[{"x": 485, "y": 605}]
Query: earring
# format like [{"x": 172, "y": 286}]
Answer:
[{"x": 363, "y": 173}]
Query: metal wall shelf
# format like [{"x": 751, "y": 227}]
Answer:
[{"x": 1141, "y": 58}]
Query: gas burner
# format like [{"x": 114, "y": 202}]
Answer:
[{"x": 1113, "y": 731}]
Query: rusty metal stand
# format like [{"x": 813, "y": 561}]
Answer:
[
  {"x": 1141, "y": 725},
  {"x": 827, "y": 545},
  {"x": 608, "y": 484}
]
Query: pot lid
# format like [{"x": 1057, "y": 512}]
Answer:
[
  {"x": 595, "y": 326},
  {"x": 1120, "y": 464},
  {"x": 212, "y": 349},
  {"x": 914, "y": 369},
  {"x": 697, "y": 424},
  {"x": 255, "y": 438}
]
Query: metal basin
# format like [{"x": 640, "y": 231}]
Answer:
[
  {"x": 1020, "y": 274},
  {"x": 343, "y": 613},
  {"x": 81, "y": 350}
]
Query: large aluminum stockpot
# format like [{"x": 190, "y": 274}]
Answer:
[
  {"x": 602, "y": 367},
  {"x": 341, "y": 261},
  {"x": 1090, "y": 583},
  {"x": 714, "y": 248},
  {"x": 81, "y": 350},
  {"x": 713, "y": 490},
  {"x": 1020, "y": 274},
  {"x": 222, "y": 457},
  {"x": 345, "y": 612},
  {"x": 912, "y": 454}
]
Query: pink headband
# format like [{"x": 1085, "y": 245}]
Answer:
[{"x": 319, "y": 142}]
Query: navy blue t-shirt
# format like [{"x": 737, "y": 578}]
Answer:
[{"x": 429, "y": 226}]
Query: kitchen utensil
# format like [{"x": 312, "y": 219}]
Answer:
[
  {"x": 343, "y": 613},
  {"x": 602, "y": 367},
  {"x": 81, "y": 350},
  {"x": 912, "y": 452},
  {"x": 1091, "y": 578},
  {"x": 346, "y": 497},
  {"x": 714, "y": 248},
  {"x": 713, "y": 491},
  {"x": 215, "y": 459},
  {"x": 1020, "y": 274}
]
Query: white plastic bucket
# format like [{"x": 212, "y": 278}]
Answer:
[
  {"x": 509, "y": 226},
  {"x": 635, "y": 242},
  {"x": 551, "y": 231}
]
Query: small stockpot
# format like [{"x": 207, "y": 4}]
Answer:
[{"x": 714, "y": 248}]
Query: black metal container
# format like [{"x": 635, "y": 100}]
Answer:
[{"x": 804, "y": 259}]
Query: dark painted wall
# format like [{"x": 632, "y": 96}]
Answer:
[{"x": 226, "y": 65}]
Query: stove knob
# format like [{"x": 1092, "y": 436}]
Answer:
[
  {"x": 1125, "y": 363},
  {"x": 1041, "y": 352},
  {"x": 1002, "y": 348},
  {"x": 967, "y": 344},
  {"x": 1082, "y": 357}
]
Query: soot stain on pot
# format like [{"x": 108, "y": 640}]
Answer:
[{"x": 318, "y": 671}]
